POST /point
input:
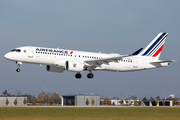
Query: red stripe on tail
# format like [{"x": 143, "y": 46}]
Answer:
[{"x": 157, "y": 52}]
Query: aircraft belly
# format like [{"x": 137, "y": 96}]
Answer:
[{"x": 118, "y": 67}]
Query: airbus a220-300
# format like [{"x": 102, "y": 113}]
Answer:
[{"x": 58, "y": 60}]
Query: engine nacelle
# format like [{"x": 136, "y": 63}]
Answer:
[
  {"x": 74, "y": 66},
  {"x": 54, "y": 69}
]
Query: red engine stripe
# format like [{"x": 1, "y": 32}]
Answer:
[{"x": 157, "y": 52}]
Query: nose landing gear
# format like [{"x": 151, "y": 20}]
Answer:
[{"x": 18, "y": 69}]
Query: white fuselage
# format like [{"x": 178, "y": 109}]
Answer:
[{"x": 48, "y": 56}]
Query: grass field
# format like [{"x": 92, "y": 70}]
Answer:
[{"x": 85, "y": 113}]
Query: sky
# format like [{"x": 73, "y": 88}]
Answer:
[{"x": 117, "y": 26}]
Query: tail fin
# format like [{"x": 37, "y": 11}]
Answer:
[{"x": 155, "y": 47}]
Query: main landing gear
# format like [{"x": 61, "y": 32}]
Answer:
[
  {"x": 89, "y": 75},
  {"x": 78, "y": 75},
  {"x": 18, "y": 69}
]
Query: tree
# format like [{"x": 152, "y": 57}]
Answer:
[
  {"x": 156, "y": 102},
  {"x": 7, "y": 101},
  {"x": 144, "y": 98},
  {"x": 25, "y": 101},
  {"x": 55, "y": 97},
  {"x": 140, "y": 102},
  {"x": 158, "y": 98},
  {"x": 163, "y": 102},
  {"x": 109, "y": 102},
  {"x": 122, "y": 101},
  {"x": 92, "y": 101},
  {"x": 135, "y": 102},
  {"x": 104, "y": 102},
  {"x": 15, "y": 102},
  {"x": 18, "y": 93},
  {"x": 101, "y": 102},
  {"x": 5, "y": 92},
  {"x": 48, "y": 97},
  {"x": 69, "y": 102},
  {"x": 33, "y": 102},
  {"x": 34, "y": 97},
  {"x": 114, "y": 97},
  {"x": 133, "y": 97},
  {"x": 41, "y": 97},
  {"x": 51, "y": 101},
  {"x": 174, "y": 102},
  {"x": 87, "y": 102},
  {"x": 30, "y": 98},
  {"x": 151, "y": 98}
]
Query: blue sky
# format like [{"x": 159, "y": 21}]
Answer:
[{"x": 90, "y": 25}]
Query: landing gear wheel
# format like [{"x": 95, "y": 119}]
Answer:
[
  {"x": 78, "y": 75},
  {"x": 90, "y": 75},
  {"x": 18, "y": 70}
]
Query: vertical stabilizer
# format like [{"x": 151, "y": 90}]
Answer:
[{"x": 155, "y": 47}]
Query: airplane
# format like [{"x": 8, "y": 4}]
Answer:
[{"x": 58, "y": 60}]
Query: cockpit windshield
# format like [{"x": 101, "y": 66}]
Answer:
[{"x": 16, "y": 50}]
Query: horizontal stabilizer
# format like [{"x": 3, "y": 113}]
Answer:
[
  {"x": 137, "y": 52},
  {"x": 162, "y": 61}
]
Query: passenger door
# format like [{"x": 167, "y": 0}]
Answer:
[
  {"x": 30, "y": 52},
  {"x": 135, "y": 62}
]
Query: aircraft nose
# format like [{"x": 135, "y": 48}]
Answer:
[{"x": 9, "y": 56}]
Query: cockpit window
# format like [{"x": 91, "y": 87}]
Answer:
[
  {"x": 13, "y": 50},
  {"x": 16, "y": 50}
]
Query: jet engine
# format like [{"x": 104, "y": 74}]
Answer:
[
  {"x": 74, "y": 66},
  {"x": 54, "y": 69}
]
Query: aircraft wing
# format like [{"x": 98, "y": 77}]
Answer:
[
  {"x": 162, "y": 61},
  {"x": 98, "y": 62}
]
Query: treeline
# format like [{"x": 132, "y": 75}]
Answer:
[{"x": 52, "y": 98}]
